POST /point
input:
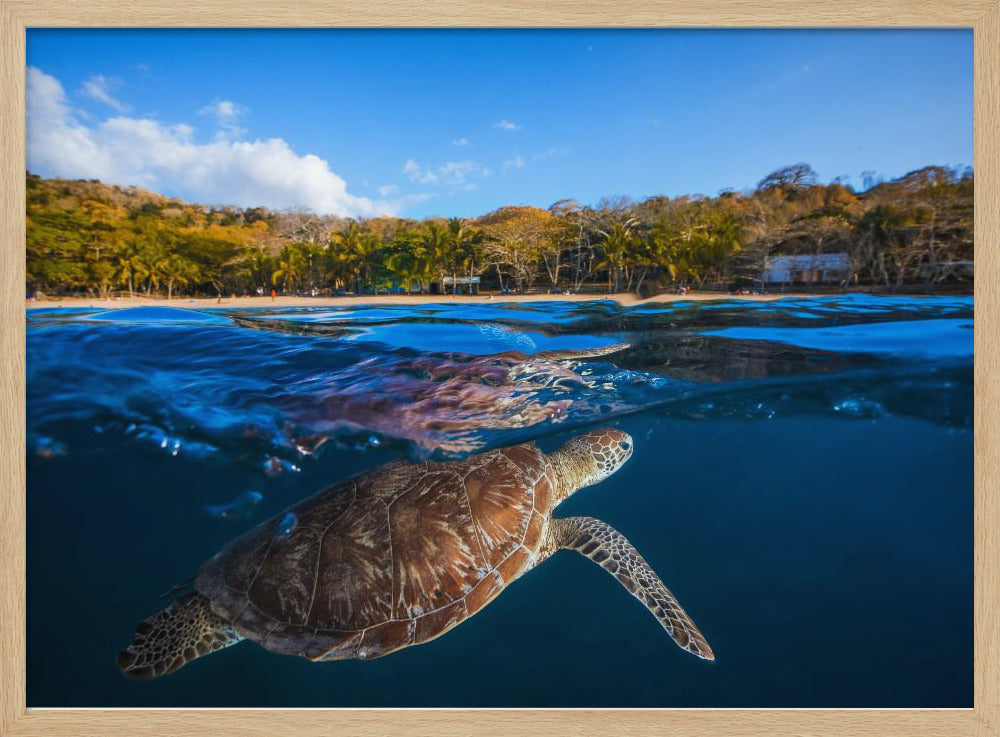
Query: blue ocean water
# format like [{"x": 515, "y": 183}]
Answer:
[{"x": 802, "y": 480}]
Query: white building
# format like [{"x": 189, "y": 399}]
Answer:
[
  {"x": 822, "y": 268},
  {"x": 458, "y": 284},
  {"x": 459, "y": 281}
]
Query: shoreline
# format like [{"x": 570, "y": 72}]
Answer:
[{"x": 626, "y": 299}]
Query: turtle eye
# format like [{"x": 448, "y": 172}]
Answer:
[{"x": 626, "y": 444}]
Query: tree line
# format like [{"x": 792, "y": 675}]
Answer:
[{"x": 88, "y": 238}]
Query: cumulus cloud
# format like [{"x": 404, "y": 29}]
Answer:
[
  {"x": 516, "y": 163},
  {"x": 506, "y": 125},
  {"x": 227, "y": 115},
  {"x": 98, "y": 87},
  {"x": 461, "y": 142},
  {"x": 452, "y": 175},
  {"x": 418, "y": 174},
  {"x": 127, "y": 150}
]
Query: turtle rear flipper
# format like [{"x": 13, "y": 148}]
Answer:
[{"x": 185, "y": 630}]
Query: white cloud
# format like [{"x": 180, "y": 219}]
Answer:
[
  {"x": 516, "y": 163},
  {"x": 551, "y": 153},
  {"x": 227, "y": 115},
  {"x": 452, "y": 175},
  {"x": 98, "y": 87},
  {"x": 126, "y": 150},
  {"x": 418, "y": 174},
  {"x": 461, "y": 142},
  {"x": 225, "y": 111},
  {"x": 506, "y": 125},
  {"x": 456, "y": 174},
  {"x": 387, "y": 190}
]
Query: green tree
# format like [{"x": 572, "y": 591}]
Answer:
[
  {"x": 177, "y": 269},
  {"x": 437, "y": 245},
  {"x": 253, "y": 267},
  {"x": 290, "y": 266},
  {"x": 514, "y": 240},
  {"x": 618, "y": 249},
  {"x": 408, "y": 261},
  {"x": 354, "y": 254},
  {"x": 460, "y": 252},
  {"x": 128, "y": 264},
  {"x": 695, "y": 240},
  {"x": 152, "y": 264}
]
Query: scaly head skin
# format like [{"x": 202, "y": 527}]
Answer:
[{"x": 588, "y": 459}]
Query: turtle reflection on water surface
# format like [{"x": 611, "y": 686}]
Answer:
[{"x": 443, "y": 404}]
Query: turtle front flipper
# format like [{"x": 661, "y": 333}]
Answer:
[
  {"x": 185, "y": 630},
  {"x": 607, "y": 547}
]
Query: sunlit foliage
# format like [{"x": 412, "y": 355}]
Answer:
[{"x": 85, "y": 237}]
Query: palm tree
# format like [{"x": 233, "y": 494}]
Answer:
[
  {"x": 695, "y": 240},
  {"x": 370, "y": 257},
  {"x": 178, "y": 270},
  {"x": 406, "y": 259},
  {"x": 344, "y": 248},
  {"x": 436, "y": 242},
  {"x": 128, "y": 263},
  {"x": 356, "y": 250},
  {"x": 618, "y": 243},
  {"x": 260, "y": 266},
  {"x": 313, "y": 253},
  {"x": 254, "y": 266},
  {"x": 291, "y": 264},
  {"x": 719, "y": 237},
  {"x": 151, "y": 264},
  {"x": 463, "y": 252}
]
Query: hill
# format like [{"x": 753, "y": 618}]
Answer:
[{"x": 89, "y": 238}]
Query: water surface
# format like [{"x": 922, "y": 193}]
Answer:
[{"x": 802, "y": 480}]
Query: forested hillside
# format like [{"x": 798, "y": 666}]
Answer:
[{"x": 85, "y": 237}]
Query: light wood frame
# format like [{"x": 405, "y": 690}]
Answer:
[{"x": 16, "y": 15}]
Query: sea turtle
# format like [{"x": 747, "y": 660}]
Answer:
[{"x": 400, "y": 555}]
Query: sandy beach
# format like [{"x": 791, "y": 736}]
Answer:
[{"x": 625, "y": 299}]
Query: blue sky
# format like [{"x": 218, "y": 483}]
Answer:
[{"x": 450, "y": 122}]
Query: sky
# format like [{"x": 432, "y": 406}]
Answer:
[{"x": 420, "y": 123}]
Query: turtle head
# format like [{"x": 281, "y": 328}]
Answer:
[{"x": 591, "y": 457}]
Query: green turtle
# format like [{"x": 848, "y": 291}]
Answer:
[{"x": 400, "y": 555}]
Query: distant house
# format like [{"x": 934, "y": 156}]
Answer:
[
  {"x": 457, "y": 283},
  {"x": 821, "y": 268}
]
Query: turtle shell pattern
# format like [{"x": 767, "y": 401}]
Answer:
[{"x": 390, "y": 558}]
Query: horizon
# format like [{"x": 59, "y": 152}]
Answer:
[{"x": 229, "y": 118}]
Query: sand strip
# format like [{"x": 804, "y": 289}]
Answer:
[{"x": 624, "y": 299}]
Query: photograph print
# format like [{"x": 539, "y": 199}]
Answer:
[{"x": 338, "y": 340}]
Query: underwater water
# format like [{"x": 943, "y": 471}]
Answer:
[{"x": 802, "y": 481}]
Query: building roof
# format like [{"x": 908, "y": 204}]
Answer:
[{"x": 826, "y": 261}]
